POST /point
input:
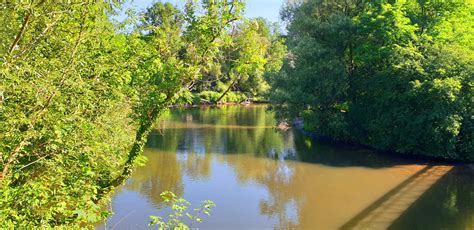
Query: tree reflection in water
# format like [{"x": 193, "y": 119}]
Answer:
[{"x": 307, "y": 184}]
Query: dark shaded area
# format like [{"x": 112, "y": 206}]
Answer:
[
  {"x": 359, "y": 217},
  {"x": 347, "y": 155},
  {"x": 448, "y": 204}
]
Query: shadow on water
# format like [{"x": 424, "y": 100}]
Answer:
[
  {"x": 356, "y": 220},
  {"x": 346, "y": 155},
  {"x": 448, "y": 204},
  {"x": 389, "y": 207}
]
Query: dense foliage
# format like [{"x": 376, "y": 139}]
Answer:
[
  {"x": 250, "y": 50},
  {"x": 396, "y": 75},
  {"x": 78, "y": 98},
  {"x": 245, "y": 52}
]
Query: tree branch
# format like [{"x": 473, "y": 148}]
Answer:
[{"x": 20, "y": 33}]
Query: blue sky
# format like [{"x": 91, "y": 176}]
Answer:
[{"x": 269, "y": 9}]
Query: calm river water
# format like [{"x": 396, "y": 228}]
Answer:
[{"x": 261, "y": 178}]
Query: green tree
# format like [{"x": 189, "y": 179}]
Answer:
[
  {"x": 62, "y": 79},
  {"x": 171, "y": 62},
  {"x": 73, "y": 89},
  {"x": 250, "y": 49},
  {"x": 395, "y": 75}
]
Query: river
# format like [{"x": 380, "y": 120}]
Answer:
[{"x": 261, "y": 178}]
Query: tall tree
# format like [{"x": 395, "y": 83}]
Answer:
[{"x": 172, "y": 62}]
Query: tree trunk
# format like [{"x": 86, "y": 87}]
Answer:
[
  {"x": 225, "y": 92},
  {"x": 141, "y": 138}
]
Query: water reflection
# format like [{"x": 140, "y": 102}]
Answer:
[
  {"x": 262, "y": 178},
  {"x": 152, "y": 180}
]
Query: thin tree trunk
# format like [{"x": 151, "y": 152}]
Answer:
[
  {"x": 138, "y": 145},
  {"x": 20, "y": 33},
  {"x": 137, "y": 148},
  {"x": 225, "y": 92},
  {"x": 146, "y": 126}
]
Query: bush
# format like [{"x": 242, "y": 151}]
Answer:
[
  {"x": 234, "y": 97},
  {"x": 209, "y": 96}
]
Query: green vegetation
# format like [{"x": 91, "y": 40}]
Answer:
[
  {"x": 394, "y": 75},
  {"x": 80, "y": 93},
  {"x": 80, "y": 96},
  {"x": 241, "y": 56},
  {"x": 251, "y": 49},
  {"x": 180, "y": 206}
]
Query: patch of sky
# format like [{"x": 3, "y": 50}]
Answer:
[{"x": 268, "y": 9}]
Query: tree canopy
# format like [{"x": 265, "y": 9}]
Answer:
[{"x": 395, "y": 75}]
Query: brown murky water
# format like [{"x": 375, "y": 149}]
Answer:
[{"x": 261, "y": 178}]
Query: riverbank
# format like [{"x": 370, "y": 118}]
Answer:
[
  {"x": 298, "y": 124},
  {"x": 208, "y": 104}
]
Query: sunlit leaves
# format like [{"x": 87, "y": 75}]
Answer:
[{"x": 179, "y": 206}]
